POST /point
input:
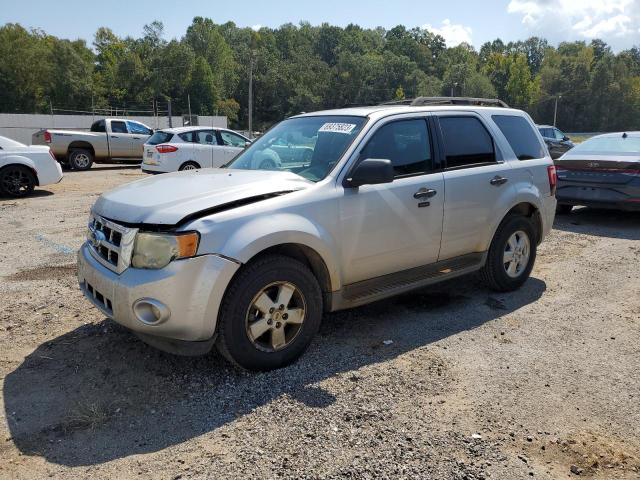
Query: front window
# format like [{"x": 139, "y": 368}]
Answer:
[
  {"x": 138, "y": 128},
  {"x": 232, "y": 140},
  {"x": 307, "y": 146}
]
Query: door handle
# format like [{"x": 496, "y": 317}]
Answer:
[
  {"x": 498, "y": 180},
  {"x": 113, "y": 136},
  {"x": 424, "y": 193},
  {"x": 136, "y": 138}
]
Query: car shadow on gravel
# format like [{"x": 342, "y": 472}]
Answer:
[
  {"x": 600, "y": 222},
  {"x": 97, "y": 393},
  {"x": 37, "y": 193}
]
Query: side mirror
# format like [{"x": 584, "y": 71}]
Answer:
[
  {"x": 247, "y": 144},
  {"x": 565, "y": 138},
  {"x": 371, "y": 171}
]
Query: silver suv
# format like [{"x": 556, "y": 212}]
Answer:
[{"x": 357, "y": 205}]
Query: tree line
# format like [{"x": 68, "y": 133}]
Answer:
[{"x": 300, "y": 68}]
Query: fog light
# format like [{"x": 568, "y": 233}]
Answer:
[{"x": 150, "y": 311}]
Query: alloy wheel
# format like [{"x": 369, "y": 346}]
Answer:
[
  {"x": 516, "y": 255},
  {"x": 275, "y": 316}
]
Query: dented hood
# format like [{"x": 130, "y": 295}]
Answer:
[{"x": 170, "y": 198}]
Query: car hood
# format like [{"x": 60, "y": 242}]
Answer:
[{"x": 170, "y": 198}]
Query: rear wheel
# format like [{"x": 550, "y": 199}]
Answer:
[
  {"x": 511, "y": 255},
  {"x": 80, "y": 159},
  {"x": 563, "y": 209},
  {"x": 17, "y": 181},
  {"x": 270, "y": 314},
  {"x": 189, "y": 166}
]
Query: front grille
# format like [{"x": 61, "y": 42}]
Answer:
[{"x": 110, "y": 243}]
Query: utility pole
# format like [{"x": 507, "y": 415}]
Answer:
[
  {"x": 555, "y": 110},
  {"x": 189, "y": 103},
  {"x": 251, "y": 96},
  {"x": 169, "y": 113}
]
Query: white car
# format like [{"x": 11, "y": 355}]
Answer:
[
  {"x": 23, "y": 167},
  {"x": 191, "y": 148}
]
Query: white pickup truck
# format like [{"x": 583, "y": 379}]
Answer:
[{"x": 108, "y": 140}]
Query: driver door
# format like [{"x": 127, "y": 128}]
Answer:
[{"x": 394, "y": 227}]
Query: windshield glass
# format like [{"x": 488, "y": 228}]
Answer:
[
  {"x": 307, "y": 146},
  {"x": 617, "y": 145}
]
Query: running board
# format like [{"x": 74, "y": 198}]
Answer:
[{"x": 367, "y": 291}]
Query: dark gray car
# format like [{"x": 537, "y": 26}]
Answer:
[
  {"x": 557, "y": 142},
  {"x": 602, "y": 172}
]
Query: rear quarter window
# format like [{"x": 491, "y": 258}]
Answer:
[
  {"x": 521, "y": 136},
  {"x": 160, "y": 137}
]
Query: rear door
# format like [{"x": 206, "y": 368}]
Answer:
[
  {"x": 119, "y": 139},
  {"x": 477, "y": 183},
  {"x": 205, "y": 144}
]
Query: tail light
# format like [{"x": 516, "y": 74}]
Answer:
[
  {"x": 553, "y": 178},
  {"x": 166, "y": 148},
  {"x": 47, "y": 136}
]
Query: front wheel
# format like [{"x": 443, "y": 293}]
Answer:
[
  {"x": 511, "y": 255},
  {"x": 270, "y": 314}
]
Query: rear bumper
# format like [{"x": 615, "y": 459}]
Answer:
[
  {"x": 188, "y": 293},
  {"x": 598, "y": 195}
]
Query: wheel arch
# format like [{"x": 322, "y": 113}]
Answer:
[
  {"x": 525, "y": 208},
  {"x": 21, "y": 161},
  {"x": 81, "y": 145}
]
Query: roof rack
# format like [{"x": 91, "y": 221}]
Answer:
[{"x": 423, "y": 101}]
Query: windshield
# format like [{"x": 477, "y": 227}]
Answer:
[
  {"x": 307, "y": 146},
  {"x": 616, "y": 145}
]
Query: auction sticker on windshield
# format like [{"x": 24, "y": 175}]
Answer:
[{"x": 337, "y": 128}]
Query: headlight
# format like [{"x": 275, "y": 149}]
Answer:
[{"x": 157, "y": 250}]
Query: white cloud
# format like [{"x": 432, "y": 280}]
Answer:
[
  {"x": 453, "y": 33},
  {"x": 257, "y": 27},
  {"x": 614, "y": 21}
]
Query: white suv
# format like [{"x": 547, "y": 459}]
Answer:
[
  {"x": 381, "y": 201},
  {"x": 191, "y": 148}
]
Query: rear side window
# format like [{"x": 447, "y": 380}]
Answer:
[
  {"x": 467, "y": 142},
  {"x": 119, "y": 127},
  {"x": 521, "y": 136},
  {"x": 160, "y": 137},
  {"x": 99, "y": 126},
  {"x": 405, "y": 143},
  {"x": 206, "y": 137},
  {"x": 188, "y": 137}
]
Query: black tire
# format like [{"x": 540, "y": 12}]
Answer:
[
  {"x": 267, "y": 165},
  {"x": 233, "y": 340},
  {"x": 80, "y": 159},
  {"x": 189, "y": 166},
  {"x": 494, "y": 274},
  {"x": 562, "y": 209},
  {"x": 17, "y": 181}
]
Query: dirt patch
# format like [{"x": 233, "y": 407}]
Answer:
[{"x": 43, "y": 273}]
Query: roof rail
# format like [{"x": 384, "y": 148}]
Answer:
[{"x": 423, "y": 101}]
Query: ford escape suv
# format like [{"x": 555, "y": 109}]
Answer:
[{"x": 386, "y": 199}]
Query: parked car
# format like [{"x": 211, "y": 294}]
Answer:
[
  {"x": 557, "y": 142},
  {"x": 107, "y": 141},
  {"x": 392, "y": 199},
  {"x": 23, "y": 168},
  {"x": 191, "y": 148},
  {"x": 602, "y": 172}
]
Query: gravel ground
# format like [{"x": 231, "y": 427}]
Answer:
[{"x": 542, "y": 382}]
